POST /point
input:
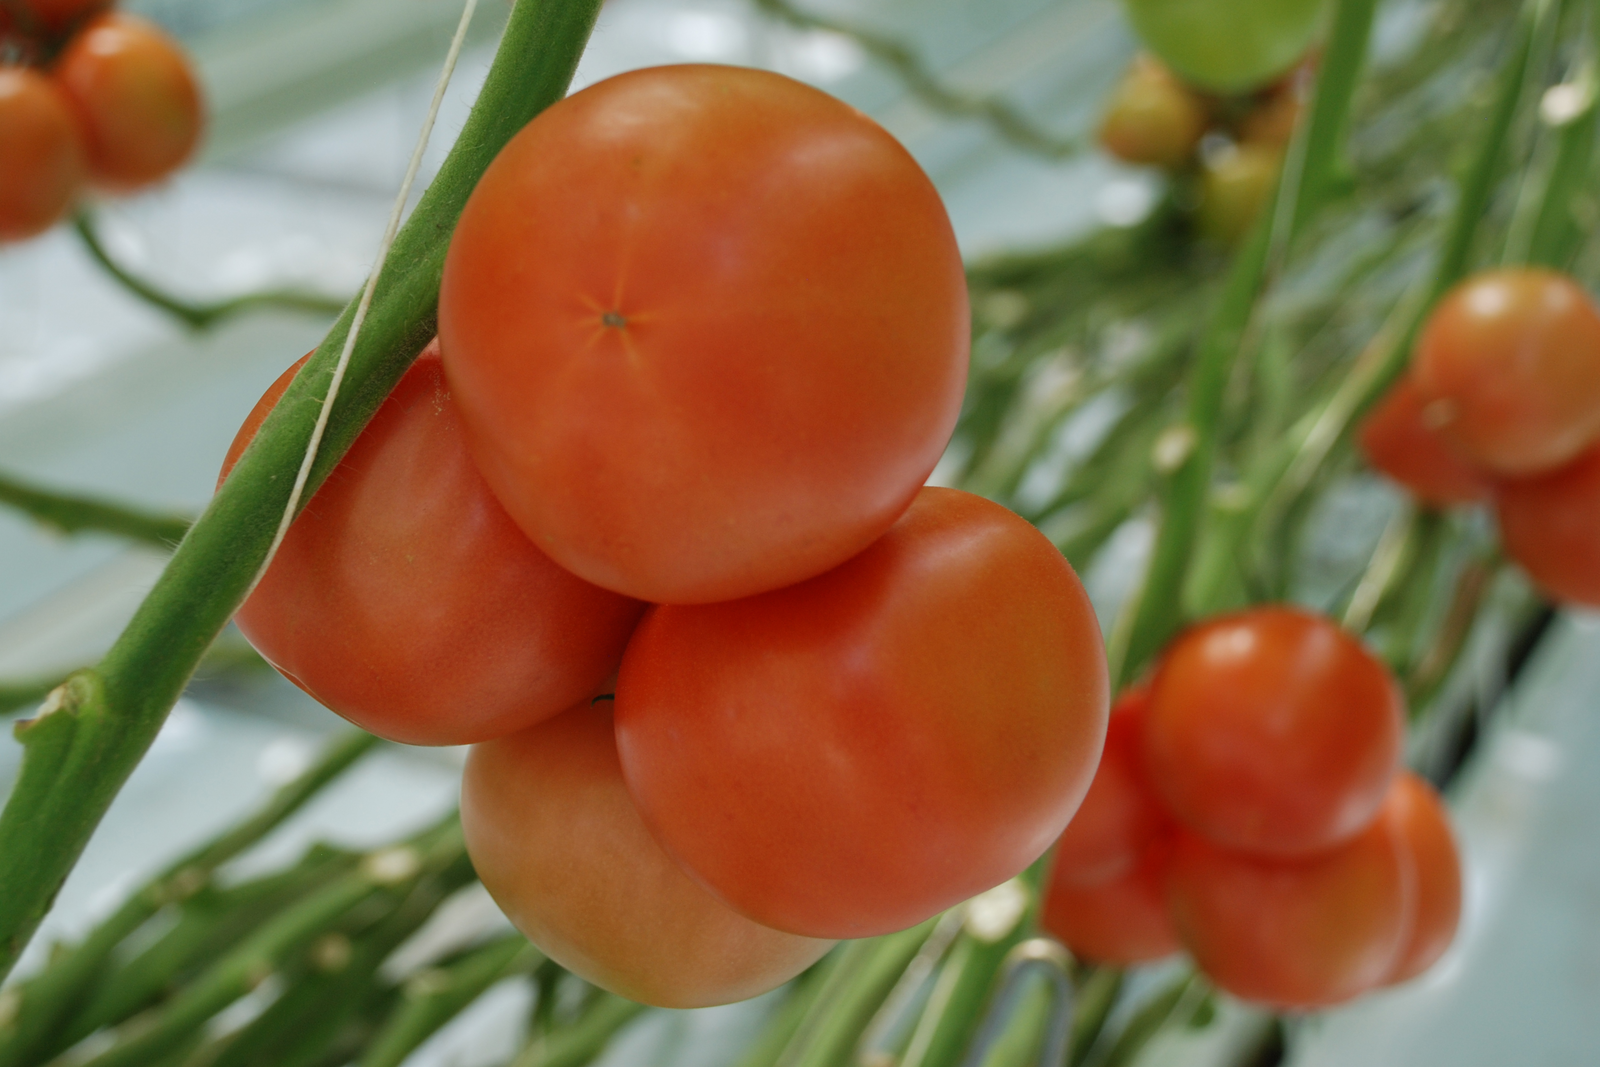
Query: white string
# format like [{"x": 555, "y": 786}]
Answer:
[{"x": 366, "y": 296}]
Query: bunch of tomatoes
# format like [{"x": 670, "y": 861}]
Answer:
[
  {"x": 1501, "y": 404},
  {"x": 88, "y": 98},
  {"x": 647, "y": 526},
  {"x": 1250, "y": 809}
]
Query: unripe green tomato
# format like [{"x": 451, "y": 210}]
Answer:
[
  {"x": 1227, "y": 46},
  {"x": 1235, "y": 187}
]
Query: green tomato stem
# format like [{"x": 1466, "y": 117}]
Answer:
[
  {"x": 582, "y": 1041},
  {"x": 72, "y": 513}
]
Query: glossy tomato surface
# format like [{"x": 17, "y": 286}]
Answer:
[
  {"x": 137, "y": 97},
  {"x": 1120, "y": 816},
  {"x": 1294, "y": 933},
  {"x": 1152, "y": 117},
  {"x": 404, "y": 599},
  {"x": 1398, "y": 441},
  {"x": 555, "y": 838},
  {"x": 848, "y": 756},
  {"x": 1509, "y": 367},
  {"x": 1120, "y": 921},
  {"x": 1272, "y": 730},
  {"x": 1550, "y": 524},
  {"x": 43, "y": 153},
  {"x": 708, "y": 328},
  {"x": 1227, "y": 46},
  {"x": 1415, "y": 808}
]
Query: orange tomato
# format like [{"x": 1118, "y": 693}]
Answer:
[
  {"x": 1121, "y": 921},
  {"x": 1550, "y": 524},
  {"x": 1398, "y": 441},
  {"x": 1424, "y": 825},
  {"x": 1152, "y": 117},
  {"x": 43, "y": 153}
]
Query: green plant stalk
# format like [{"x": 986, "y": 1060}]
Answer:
[
  {"x": 585, "y": 1039},
  {"x": 83, "y": 746},
  {"x": 1558, "y": 232},
  {"x": 965, "y": 981},
  {"x": 779, "y": 1031},
  {"x": 851, "y": 996},
  {"x": 1151, "y": 1018},
  {"x": 198, "y": 315},
  {"x": 71, "y": 513},
  {"x": 50, "y": 997},
  {"x": 1097, "y": 995},
  {"x": 25, "y": 693},
  {"x": 1019, "y": 1044},
  {"x": 1303, "y": 189}
]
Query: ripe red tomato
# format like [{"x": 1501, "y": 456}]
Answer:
[
  {"x": 1509, "y": 366},
  {"x": 1152, "y": 117},
  {"x": 847, "y": 756},
  {"x": 43, "y": 153},
  {"x": 51, "y": 16},
  {"x": 558, "y": 844},
  {"x": 1398, "y": 441},
  {"x": 1294, "y": 933},
  {"x": 1235, "y": 187},
  {"x": 136, "y": 95},
  {"x": 1227, "y": 46},
  {"x": 1272, "y": 731},
  {"x": 1121, "y": 921},
  {"x": 1120, "y": 816},
  {"x": 708, "y": 328},
  {"x": 404, "y": 599},
  {"x": 1424, "y": 825},
  {"x": 1550, "y": 524}
]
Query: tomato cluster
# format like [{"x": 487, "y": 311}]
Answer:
[
  {"x": 648, "y": 527},
  {"x": 1502, "y": 403},
  {"x": 103, "y": 99},
  {"x": 1248, "y": 809}
]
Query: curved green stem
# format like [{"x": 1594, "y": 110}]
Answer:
[{"x": 72, "y": 513}]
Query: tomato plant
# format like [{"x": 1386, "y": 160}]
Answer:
[
  {"x": 1416, "y": 810},
  {"x": 1550, "y": 524},
  {"x": 136, "y": 95},
  {"x": 1122, "y": 920},
  {"x": 43, "y": 152},
  {"x": 407, "y": 601},
  {"x": 733, "y": 276},
  {"x": 1398, "y": 441},
  {"x": 1227, "y": 45},
  {"x": 849, "y": 755},
  {"x": 556, "y": 839},
  {"x": 1508, "y": 365},
  {"x": 1152, "y": 117},
  {"x": 1272, "y": 730}
]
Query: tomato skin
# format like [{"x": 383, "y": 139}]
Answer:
[
  {"x": 732, "y": 274},
  {"x": 1153, "y": 118},
  {"x": 1121, "y": 816},
  {"x": 137, "y": 98},
  {"x": 1227, "y": 46},
  {"x": 1294, "y": 933},
  {"x": 43, "y": 151},
  {"x": 1121, "y": 921},
  {"x": 847, "y": 756},
  {"x": 54, "y": 16},
  {"x": 557, "y": 842},
  {"x": 404, "y": 599},
  {"x": 1235, "y": 187},
  {"x": 1414, "y": 806},
  {"x": 1509, "y": 365},
  {"x": 1397, "y": 441},
  {"x": 1272, "y": 731},
  {"x": 1550, "y": 524}
]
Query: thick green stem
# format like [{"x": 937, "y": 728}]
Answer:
[
  {"x": 78, "y": 753},
  {"x": 585, "y": 1039},
  {"x": 72, "y": 513}
]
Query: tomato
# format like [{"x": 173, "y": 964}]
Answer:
[
  {"x": 1236, "y": 185},
  {"x": 1273, "y": 117},
  {"x": 1227, "y": 46},
  {"x": 1120, "y": 816},
  {"x": 1273, "y": 731},
  {"x": 1399, "y": 442},
  {"x": 1509, "y": 366},
  {"x": 52, "y": 16},
  {"x": 558, "y": 844},
  {"x": 850, "y": 755},
  {"x": 1294, "y": 933},
  {"x": 1424, "y": 825},
  {"x": 1152, "y": 117},
  {"x": 1550, "y": 524},
  {"x": 43, "y": 153},
  {"x": 708, "y": 328},
  {"x": 404, "y": 599},
  {"x": 136, "y": 94},
  {"x": 1120, "y": 921}
]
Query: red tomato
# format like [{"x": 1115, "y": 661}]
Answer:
[
  {"x": 1509, "y": 366},
  {"x": 847, "y": 756},
  {"x": 1272, "y": 731},
  {"x": 1294, "y": 933},
  {"x": 1424, "y": 825},
  {"x": 43, "y": 154},
  {"x": 1550, "y": 524},
  {"x": 1120, "y": 816},
  {"x": 559, "y": 846},
  {"x": 1398, "y": 441},
  {"x": 404, "y": 599},
  {"x": 51, "y": 16},
  {"x": 137, "y": 97},
  {"x": 1120, "y": 921},
  {"x": 708, "y": 328},
  {"x": 1152, "y": 117}
]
